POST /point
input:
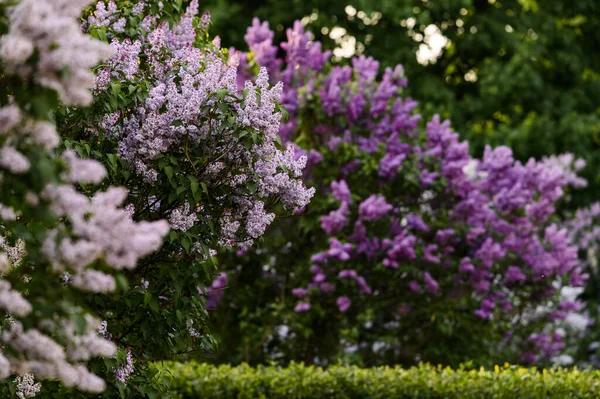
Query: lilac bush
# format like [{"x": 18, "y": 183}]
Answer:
[
  {"x": 414, "y": 250},
  {"x": 60, "y": 243}
]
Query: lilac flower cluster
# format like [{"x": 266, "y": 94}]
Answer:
[
  {"x": 125, "y": 61},
  {"x": 584, "y": 229},
  {"x": 66, "y": 55},
  {"x": 124, "y": 372},
  {"x": 438, "y": 221},
  {"x": 109, "y": 15},
  {"x": 195, "y": 109},
  {"x": 99, "y": 230},
  {"x": 26, "y": 386},
  {"x": 303, "y": 57}
]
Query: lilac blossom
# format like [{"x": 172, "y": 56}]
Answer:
[
  {"x": 123, "y": 372},
  {"x": 216, "y": 291},
  {"x": 341, "y": 192},
  {"x": 188, "y": 87},
  {"x": 374, "y": 207},
  {"x": 343, "y": 303},
  {"x": 302, "y": 307},
  {"x": 50, "y": 28}
]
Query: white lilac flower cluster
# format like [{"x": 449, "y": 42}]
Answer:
[
  {"x": 182, "y": 218},
  {"x": 194, "y": 105},
  {"x": 45, "y": 46},
  {"x": 99, "y": 229},
  {"x": 26, "y": 386},
  {"x": 46, "y": 358},
  {"x": 11, "y": 255}
]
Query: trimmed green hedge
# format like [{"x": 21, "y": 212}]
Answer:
[{"x": 194, "y": 380}]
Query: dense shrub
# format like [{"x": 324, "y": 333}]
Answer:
[{"x": 192, "y": 380}]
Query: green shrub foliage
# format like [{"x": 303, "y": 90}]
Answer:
[{"x": 194, "y": 380}]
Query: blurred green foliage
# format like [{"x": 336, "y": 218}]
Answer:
[
  {"x": 523, "y": 73},
  {"x": 194, "y": 380}
]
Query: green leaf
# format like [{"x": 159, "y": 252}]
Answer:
[
  {"x": 80, "y": 323},
  {"x": 154, "y": 305},
  {"x": 169, "y": 172},
  {"x": 115, "y": 87},
  {"x": 122, "y": 282},
  {"x": 186, "y": 243}
]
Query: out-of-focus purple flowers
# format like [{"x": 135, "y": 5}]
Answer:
[
  {"x": 216, "y": 291},
  {"x": 374, "y": 207},
  {"x": 440, "y": 222}
]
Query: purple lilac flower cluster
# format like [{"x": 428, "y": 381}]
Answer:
[{"x": 439, "y": 222}]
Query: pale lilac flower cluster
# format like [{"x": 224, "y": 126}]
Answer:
[
  {"x": 192, "y": 97},
  {"x": 123, "y": 372},
  {"x": 182, "y": 218},
  {"x": 194, "y": 333},
  {"x": 13, "y": 160},
  {"x": 109, "y": 16},
  {"x": 569, "y": 165},
  {"x": 14, "y": 254},
  {"x": 12, "y": 301},
  {"x": 258, "y": 220},
  {"x": 65, "y": 54},
  {"x": 103, "y": 330},
  {"x": 125, "y": 61},
  {"x": 584, "y": 230},
  {"x": 46, "y": 358},
  {"x": 105, "y": 14},
  {"x": 84, "y": 171},
  {"x": 100, "y": 230},
  {"x": 82, "y": 347}
]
